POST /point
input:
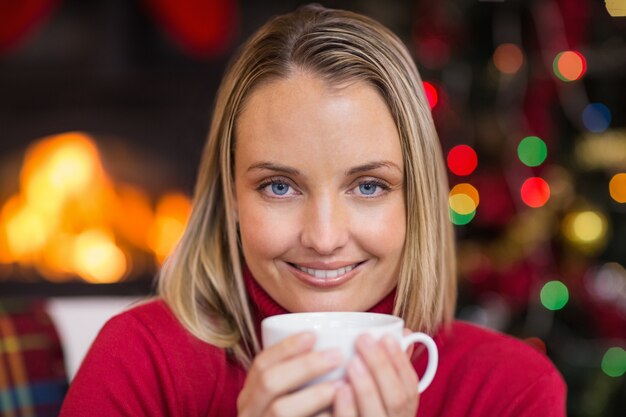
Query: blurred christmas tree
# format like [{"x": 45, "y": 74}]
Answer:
[{"x": 529, "y": 100}]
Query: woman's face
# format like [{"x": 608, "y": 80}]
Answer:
[{"x": 319, "y": 193}]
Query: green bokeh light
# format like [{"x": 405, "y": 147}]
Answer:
[
  {"x": 614, "y": 362},
  {"x": 554, "y": 295},
  {"x": 532, "y": 151},
  {"x": 461, "y": 219}
]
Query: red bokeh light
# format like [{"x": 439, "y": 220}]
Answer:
[
  {"x": 462, "y": 160},
  {"x": 431, "y": 94},
  {"x": 535, "y": 192}
]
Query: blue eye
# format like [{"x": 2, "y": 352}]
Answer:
[
  {"x": 367, "y": 188},
  {"x": 280, "y": 188}
]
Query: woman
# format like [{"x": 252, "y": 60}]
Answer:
[{"x": 321, "y": 188}]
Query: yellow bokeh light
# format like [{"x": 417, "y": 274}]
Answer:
[
  {"x": 467, "y": 189},
  {"x": 617, "y": 188},
  {"x": 585, "y": 227},
  {"x": 97, "y": 259},
  {"x": 462, "y": 204}
]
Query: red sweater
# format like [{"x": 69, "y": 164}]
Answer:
[{"x": 144, "y": 363}]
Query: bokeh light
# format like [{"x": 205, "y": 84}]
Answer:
[
  {"x": 96, "y": 257},
  {"x": 569, "y": 65},
  {"x": 461, "y": 219},
  {"x": 463, "y": 200},
  {"x": 467, "y": 189},
  {"x": 535, "y": 192},
  {"x": 172, "y": 214},
  {"x": 617, "y": 187},
  {"x": 462, "y": 160},
  {"x": 462, "y": 204},
  {"x": 532, "y": 151},
  {"x": 585, "y": 226},
  {"x": 554, "y": 295},
  {"x": 431, "y": 94},
  {"x": 508, "y": 58},
  {"x": 596, "y": 117},
  {"x": 614, "y": 362}
]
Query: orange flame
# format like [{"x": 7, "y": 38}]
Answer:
[{"x": 69, "y": 218}]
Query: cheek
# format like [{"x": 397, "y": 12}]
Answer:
[
  {"x": 265, "y": 233},
  {"x": 383, "y": 232}
]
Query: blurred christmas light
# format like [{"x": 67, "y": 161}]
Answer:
[
  {"x": 616, "y": 7},
  {"x": 596, "y": 117},
  {"x": 532, "y": 151},
  {"x": 607, "y": 283},
  {"x": 554, "y": 295},
  {"x": 614, "y": 362},
  {"x": 462, "y": 160},
  {"x": 535, "y": 192},
  {"x": 508, "y": 58},
  {"x": 569, "y": 65},
  {"x": 605, "y": 150},
  {"x": 467, "y": 189},
  {"x": 462, "y": 204},
  {"x": 617, "y": 187},
  {"x": 585, "y": 227},
  {"x": 461, "y": 219},
  {"x": 431, "y": 94}
]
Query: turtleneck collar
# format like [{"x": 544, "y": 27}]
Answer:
[{"x": 265, "y": 306}]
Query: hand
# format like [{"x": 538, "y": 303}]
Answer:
[
  {"x": 382, "y": 382},
  {"x": 273, "y": 385}
]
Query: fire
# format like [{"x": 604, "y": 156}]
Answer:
[{"x": 70, "y": 219}]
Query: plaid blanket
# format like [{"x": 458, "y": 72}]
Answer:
[{"x": 32, "y": 373}]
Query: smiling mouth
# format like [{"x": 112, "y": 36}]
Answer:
[{"x": 326, "y": 273}]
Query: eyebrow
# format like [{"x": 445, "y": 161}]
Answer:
[
  {"x": 370, "y": 166},
  {"x": 274, "y": 167}
]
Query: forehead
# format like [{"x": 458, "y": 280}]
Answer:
[{"x": 305, "y": 114}]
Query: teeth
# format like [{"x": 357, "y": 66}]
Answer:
[{"x": 326, "y": 273}]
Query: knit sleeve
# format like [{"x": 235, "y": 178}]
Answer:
[{"x": 124, "y": 374}]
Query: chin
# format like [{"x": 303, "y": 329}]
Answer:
[{"x": 322, "y": 302}]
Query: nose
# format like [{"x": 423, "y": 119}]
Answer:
[{"x": 325, "y": 225}]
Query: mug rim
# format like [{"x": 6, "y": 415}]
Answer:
[{"x": 379, "y": 319}]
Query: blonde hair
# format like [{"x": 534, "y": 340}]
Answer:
[{"x": 202, "y": 281}]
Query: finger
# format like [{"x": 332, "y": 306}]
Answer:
[
  {"x": 344, "y": 405},
  {"x": 287, "y": 348},
  {"x": 305, "y": 402},
  {"x": 392, "y": 390},
  {"x": 367, "y": 398},
  {"x": 292, "y": 374},
  {"x": 402, "y": 364}
]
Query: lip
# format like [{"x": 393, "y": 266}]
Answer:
[{"x": 324, "y": 283}]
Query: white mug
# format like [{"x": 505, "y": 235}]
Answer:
[{"x": 341, "y": 329}]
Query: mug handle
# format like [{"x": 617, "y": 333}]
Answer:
[{"x": 433, "y": 357}]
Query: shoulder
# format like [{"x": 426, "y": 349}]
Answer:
[
  {"x": 482, "y": 346},
  {"x": 151, "y": 330},
  {"x": 491, "y": 373},
  {"x": 147, "y": 361}
]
